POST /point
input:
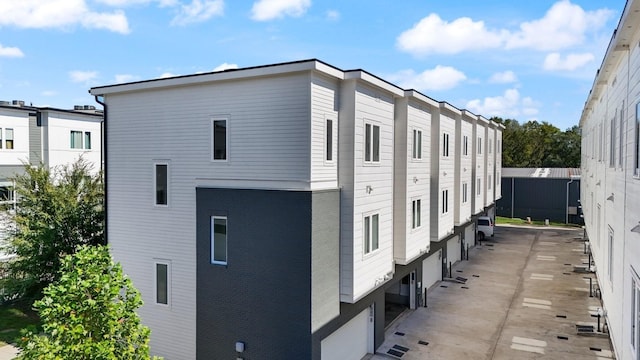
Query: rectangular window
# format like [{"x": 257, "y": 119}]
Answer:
[
  {"x": 610, "y": 265},
  {"x": 478, "y": 186},
  {"x": 417, "y": 144},
  {"x": 464, "y": 192},
  {"x": 0, "y": 138},
  {"x": 87, "y": 140},
  {"x": 9, "y": 140},
  {"x": 329, "y": 140},
  {"x": 162, "y": 283},
  {"x": 76, "y": 139},
  {"x": 162, "y": 182},
  {"x": 465, "y": 145},
  {"x": 219, "y": 240},
  {"x": 445, "y": 144},
  {"x": 490, "y": 145},
  {"x": 479, "y": 145},
  {"x": 370, "y": 233},
  {"x": 612, "y": 142},
  {"x": 445, "y": 201},
  {"x": 621, "y": 137},
  {"x": 219, "y": 139},
  {"x": 372, "y": 143},
  {"x": 637, "y": 142},
  {"x": 416, "y": 207},
  {"x": 489, "y": 183}
]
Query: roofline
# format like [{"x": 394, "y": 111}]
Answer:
[
  {"x": 422, "y": 97},
  {"x": 228, "y": 74},
  {"x": 31, "y": 109},
  {"x": 374, "y": 80}
]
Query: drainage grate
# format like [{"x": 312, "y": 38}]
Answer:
[
  {"x": 563, "y": 337},
  {"x": 474, "y": 275},
  {"x": 488, "y": 244},
  {"x": 595, "y": 349},
  {"x": 459, "y": 271},
  {"x": 490, "y": 249},
  {"x": 568, "y": 264},
  {"x": 565, "y": 273},
  {"x": 395, "y": 353},
  {"x": 422, "y": 342},
  {"x": 444, "y": 286},
  {"x": 561, "y": 316},
  {"x": 399, "y": 333},
  {"x": 400, "y": 347},
  {"x": 594, "y": 315},
  {"x": 464, "y": 287}
]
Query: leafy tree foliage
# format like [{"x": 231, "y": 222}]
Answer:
[
  {"x": 535, "y": 144},
  {"x": 56, "y": 211},
  {"x": 88, "y": 313}
]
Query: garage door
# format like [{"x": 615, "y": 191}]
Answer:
[
  {"x": 453, "y": 250},
  {"x": 352, "y": 341},
  {"x": 469, "y": 236},
  {"x": 432, "y": 270}
]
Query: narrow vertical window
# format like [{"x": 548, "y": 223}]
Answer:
[
  {"x": 479, "y": 182},
  {"x": 417, "y": 145},
  {"x": 489, "y": 183},
  {"x": 499, "y": 148},
  {"x": 329, "y": 140},
  {"x": 76, "y": 139},
  {"x": 416, "y": 207},
  {"x": 371, "y": 143},
  {"x": 445, "y": 201},
  {"x": 162, "y": 182},
  {"x": 465, "y": 145},
  {"x": 371, "y": 242},
  {"x": 637, "y": 141},
  {"x": 219, "y": 139},
  {"x": 612, "y": 142},
  {"x": 445, "y": 144},
  {"x": 219, "y": 240},
  {"x": 479, "y": 145},
  {"x": 0, "y": 138},
  {"x": 621, "y": 137},
  {"x": 162, "y": 283},
  {"x": 464, "y": 192},
  {"x": 634, "y": 313},
  {"x": 9, "y": 141},
  {"x": 490, "y": 145},
  {"x": 87, "y": 140},
  {"x": 611, "y": 259}
]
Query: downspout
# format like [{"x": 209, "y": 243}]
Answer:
[
  {"x": 103, "y": 164},
  {"x": 566, "y": 209}
]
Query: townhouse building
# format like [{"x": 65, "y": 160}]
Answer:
[
  {"x": 281, "y": 211},
  {"x": 610, "y": 181},
  {"x": 34, "y": 135}
]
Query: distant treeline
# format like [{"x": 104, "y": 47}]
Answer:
[{"x": 535, "y": 144}]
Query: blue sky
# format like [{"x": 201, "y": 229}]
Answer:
[{"x": 527, "y": 60}]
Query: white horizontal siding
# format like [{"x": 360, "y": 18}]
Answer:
[
  {"x": 481, "y": 168},
  {"x": 19, "y": 122},
  {"x": 324, "y": 99},
  {"x": 269, "y": 139},
  {"x": 465, "y": 171},
  {"x": 58, "y": 142},
  {"x": 446, "y": 175}
]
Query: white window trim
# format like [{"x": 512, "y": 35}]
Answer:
[
  {"x": 154, "y": 185},
  {"x": 419, "y": 133},
  {"x": 157, "y": 262},
  {"x": 78, "y": 149},
  {"x": 446, "y": 143},
  {"x": 465, "y": 192},
  {"x": 211, "y": 239},
  {"x": 364, "y": 143},
  {"x": 371, "y": 251},
  {"x": 479, "y": 147},
  {"x": 333, "y": 140},
  {"x": 465, "y": 145},
  {"x": 416, "y": 200},
  {"x": 444, "y": 206},
  {"x": 219, "y": 118}
]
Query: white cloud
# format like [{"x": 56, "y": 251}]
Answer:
[
  {"x": 504, "y": 77},
  {"x": 166, "y": 75},
  {"x": 198, "y": 11},
  {"x": 10, "y": 52},
  {"x": 79, "y": 76},
  {"x": 333, "y": 15},
  {"x": 434, "y": 35},
  {"x": 37, "y": 14},
  {"x": 125, "y": 3},
  {"x": 564, "y": 25},
  {"x": 439, "y": 78},
  {"x": 124, "y": 78},
  {"x": 264, "y": 10},
  {"x": 555, "y": 62},
  {"x": 510, "y": 104},
  {"x": 225, "y": 66}
]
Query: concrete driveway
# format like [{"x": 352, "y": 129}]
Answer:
[{"x": 522, "y": 300}]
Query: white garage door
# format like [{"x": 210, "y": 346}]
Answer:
[
  {"x": 350, "y": 342},
  {"x": 431, "y": 270},
  {"x": 469, "y": 236},
  {"x": 453, "y": 250}
]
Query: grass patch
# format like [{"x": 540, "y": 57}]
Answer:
[
  {"x": 14, "y": 318},
  {"x": 518, "y": 221}
]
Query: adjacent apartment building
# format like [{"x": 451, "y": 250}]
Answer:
[
  {"x": 53, "y": 137},
  {"x": 286, "y": 211},
  {"x": 610, "y": 189}
]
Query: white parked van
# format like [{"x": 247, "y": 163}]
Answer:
[{"x": 485, "y": 227}]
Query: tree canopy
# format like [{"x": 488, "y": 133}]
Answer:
[
  {"x": 88, "y": 313},
  {"x": 57, "y": 210},
  {"x": 535, "y": 144}
]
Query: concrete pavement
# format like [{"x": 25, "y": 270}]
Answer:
[
  {"x": 8, "y": 352},
  {"x": 522, "y": 300}
]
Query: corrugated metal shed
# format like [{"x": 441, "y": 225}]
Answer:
[{"x": 549, "y": 173}]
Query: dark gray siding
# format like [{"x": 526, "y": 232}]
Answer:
[
  {"x": 35, "y": 141},
  {"x": 538, "y": 198},
  {"x": 263, "y": 296}
]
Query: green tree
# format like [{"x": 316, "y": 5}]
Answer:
[
  {"x": 88, "y": 313},
  {"x": 56, "y": 211}
]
